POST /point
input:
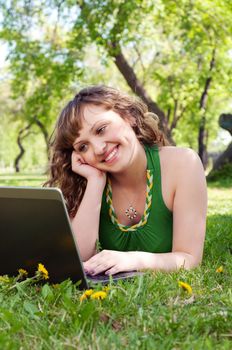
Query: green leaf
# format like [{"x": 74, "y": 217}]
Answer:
[
  {"x": 47, "y": 292},
  {"x": 31, "y": 308}
]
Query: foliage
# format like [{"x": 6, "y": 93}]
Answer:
[
  {"x": 35, "y": 156},
  {"x": 56, "y": 47},
  {"x": 41, "y": 68},
  {"x": 222, "y": 173},
  {"x": 170, "y": 42},
  {"x": 148, "y": 312},
  {"x": 170, "y": 45}
]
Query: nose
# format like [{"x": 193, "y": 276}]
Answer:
[{"x": 99, "y": 147}]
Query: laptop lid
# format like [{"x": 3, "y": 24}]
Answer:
[{"x": 35, "y": 228}]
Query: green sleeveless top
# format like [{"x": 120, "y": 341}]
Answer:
[{"x": 154, "y": 231}]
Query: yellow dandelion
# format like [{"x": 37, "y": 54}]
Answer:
[
  {"x": 86, "y": 294},
  {"x": 219, "y": 269},
  {"x": 22, "y": 272},
  {"x": 106, "y": 289},
  {"x": 99, "y": 295},
  {"x": 185, "y": 286},
  {"x": 43, "y": 271},
  {"x": 4, "y": 279},
  {"x": 83, "y": 297}
]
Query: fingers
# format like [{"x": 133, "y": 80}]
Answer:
[
  {"x": 113, "y": 270},
  {"x": 76, "y": 158},
  {"x": 76, "y": 162},
  {"x": 99, "y": 263}
]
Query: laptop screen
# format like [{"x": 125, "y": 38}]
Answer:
[{"x": 35, "y": 228}]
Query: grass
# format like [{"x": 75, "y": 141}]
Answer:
[
  {"x": 22, "y": 180},
  {"x": 150, "y": 312}
]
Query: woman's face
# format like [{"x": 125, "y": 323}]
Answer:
[{"x": 106, "y": 141}]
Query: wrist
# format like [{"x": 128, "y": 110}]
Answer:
[
  {"x": 96, "y": 183},
  {"x": 142, "y": 260}
]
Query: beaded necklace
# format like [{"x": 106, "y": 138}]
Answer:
[{"x": 144, "y": 218}]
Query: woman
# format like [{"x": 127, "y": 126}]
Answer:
[{"x": 143, "y": 200}]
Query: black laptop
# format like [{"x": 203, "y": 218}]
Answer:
[{"x": 35, "y": 228}]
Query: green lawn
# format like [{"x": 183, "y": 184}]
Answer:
[{"x": 150, "y": 312}]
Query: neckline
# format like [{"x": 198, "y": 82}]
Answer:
[{"x": 146, "y": 212}]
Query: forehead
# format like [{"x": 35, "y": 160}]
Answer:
[{"x": 91, "y": 114}]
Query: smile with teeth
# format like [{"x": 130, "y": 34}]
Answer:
[{"x": 111, "y": 155}]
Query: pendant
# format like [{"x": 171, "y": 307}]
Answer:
[{"x": 131, "y": 212}]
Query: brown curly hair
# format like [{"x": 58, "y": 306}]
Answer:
[{"x": 67, "y": 130}]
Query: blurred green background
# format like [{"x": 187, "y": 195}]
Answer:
[{"x": 175, "y": 55}]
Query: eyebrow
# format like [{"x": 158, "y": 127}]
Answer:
[{"x": 91, "y": 130}]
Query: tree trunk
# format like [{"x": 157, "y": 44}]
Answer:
[
  {"x": 20, "y": 137},
  {"x": 114, "y": 50},
  {"x": 202, "y": 134},
  {"x": 202, "y": 147},
  {"x": 44, "y": 132},
  {"x": 136, "y": 86},
  {"x": 225, "y": 121}
]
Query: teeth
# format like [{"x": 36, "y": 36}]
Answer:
[{"x": 111, "y": 155}]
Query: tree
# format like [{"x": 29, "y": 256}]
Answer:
[
  {"x": 37, "y": 68},
  {"x": 224, "y": 161},
  {"x": 171, "y": 53}
]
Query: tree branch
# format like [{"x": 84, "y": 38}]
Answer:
[
  {"x": 204, "y": 95},
  {"x": 21, "y": 136},
  {"x": 135, "y": 85},
  {"x": 44, "y": 132},
  {"x": 202, "y": 151}
]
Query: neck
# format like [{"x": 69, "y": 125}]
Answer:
[{"x": 135, "y": 174}]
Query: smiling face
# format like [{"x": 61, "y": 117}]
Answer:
[{"x": 106, "y": 141}]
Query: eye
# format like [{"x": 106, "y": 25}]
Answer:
[
  {"x": 82, "y": 148},
  {"x": 101, "y": 129}
]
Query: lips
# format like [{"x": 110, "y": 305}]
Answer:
[{"x": 111, "y": 155}]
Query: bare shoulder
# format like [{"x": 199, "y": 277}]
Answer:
[
  {"x": 181, "y": 163},
  {"x": 181, "y": 170},
  {"x": 178, "y": 156},
  {"x": 178, "y": 153}
]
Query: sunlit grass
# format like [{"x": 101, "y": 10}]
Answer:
[
  {"x": 219, "y": 200},
  {"x": 22, "y": 180}
]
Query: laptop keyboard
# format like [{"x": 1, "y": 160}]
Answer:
[
  {"x": 99, "y": 277},
  {"x": 104, "y": 278}
]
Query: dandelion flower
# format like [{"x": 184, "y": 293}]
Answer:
[
  {"x": 86, "y": 294},
  {"x": 185, "y": 286},
  {"x": 106, "y": 288},
  {"x": 83, "y": 297},
  {"x": 22, "y": 272},
  {"x": 219, "y": 269},
  {"x": 99, "y": 295},
  {"x": 43, "y": 271}
]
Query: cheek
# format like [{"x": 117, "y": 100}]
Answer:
[
  {"x": 88, "y": 157},
  {"x": 123, "y": 130}
]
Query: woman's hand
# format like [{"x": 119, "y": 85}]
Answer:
[
  {"x": 111, "y": 262},
  {"x": 86, "y": 170}
]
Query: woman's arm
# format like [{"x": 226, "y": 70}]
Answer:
[
  {"x": 189, "y": 219},
  {"x": 189, "y": 210},
  {"x": 85, "y": 224}
]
